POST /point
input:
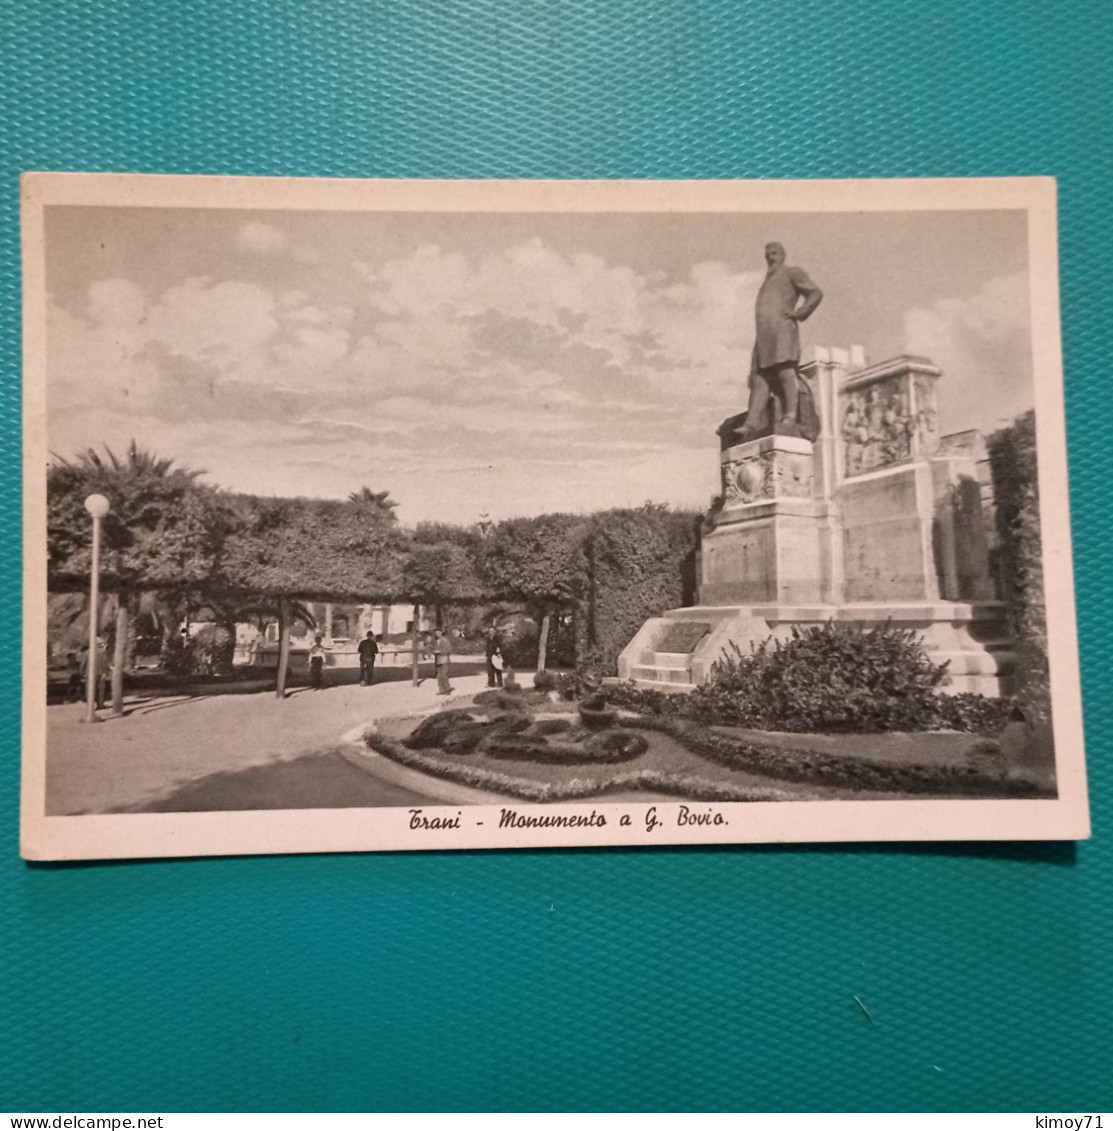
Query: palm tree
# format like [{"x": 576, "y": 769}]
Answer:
[
  {"x": 374, "y": 500},
  {"x": 136, "y": 461},
  {"x": 140, "y": 486}
]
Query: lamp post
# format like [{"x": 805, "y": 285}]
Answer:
[{"x": 98, "y": 506}]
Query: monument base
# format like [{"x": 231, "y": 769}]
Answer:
[
  {"x": 879, "y": 521},
  {"x": 969, "y": 636},
  {"x": 762, "y": 544}
]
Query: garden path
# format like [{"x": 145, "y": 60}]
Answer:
[{"x": 163, "y": 745}]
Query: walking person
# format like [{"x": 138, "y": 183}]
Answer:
[
  {"x": 441, "y": 658},
  {"x": 317, "y": 664},
  {"x": 368, "y": 651}
]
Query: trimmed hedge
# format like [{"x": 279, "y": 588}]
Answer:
[
  {"x": 812, "y": 767},
  {"x": 456, "y": 732},
  {"x": 683, "y": 786},
  {"x": 604, "y": 748},
  {"x": 516, "y": 735},
  {"x": 638, "y": 562},
  {"x": 609, "y": 571},
  {"x": 821, "y": 768}
]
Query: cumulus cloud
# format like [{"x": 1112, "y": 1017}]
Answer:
[
  {"x": 996, "y": 315},
  {"x": 982, "y": 344},
  {"x": 601, "y": 327},
  {"x": 519, "y": 359}
]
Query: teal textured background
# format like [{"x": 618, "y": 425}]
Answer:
[{"x": 667, "y": 979}]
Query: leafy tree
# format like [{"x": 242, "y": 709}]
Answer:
[
  {"x": 164, "y": 531},
  {"x": 441, "y": 567},
  {"x": 539, "y": 561},
  {"x": 1019, "y": 555},
  {"x": 313, "y": 549}
]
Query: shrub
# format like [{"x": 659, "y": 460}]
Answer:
[
  {"x": 616, "y": 746},
  {"x": 568, "y": 684},
  {"x": 519, "y": 647},
  {"x": 829, "y": 677},
  {"x": 597, "y": 718},
  {"x": 546, "y": 681},
  {"x": 505, "y": 699},
  {"x": 436, "y": 729},
  {"x": 177, "y": 655},
  {"x": 646, "y": 701},
  {"x": 209, "y": 652},
  {"x": 975, "y": 713},
  {"x": 457, "y": 732},
  {"x": 212, "y": 649}
]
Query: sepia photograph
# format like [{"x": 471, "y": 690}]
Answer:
[{"x": 432, "y": 515}]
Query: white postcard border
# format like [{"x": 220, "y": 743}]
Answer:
[{"x": 353, "y": 830}]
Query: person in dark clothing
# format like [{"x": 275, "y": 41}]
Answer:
[
  {"x": 492, "y": 641},
  {"x": 368, "y": 651},
  {"x": 496, "y": 664},
  {"x": 73, "y": 674}
]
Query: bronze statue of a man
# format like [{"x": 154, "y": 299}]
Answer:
[{"x": 776, "y": 358}]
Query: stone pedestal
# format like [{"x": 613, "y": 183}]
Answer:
[
  {"x": 887, "y": 521},
  {"x": 764, "y": 543},
  {"x": 880, "y": 520}
]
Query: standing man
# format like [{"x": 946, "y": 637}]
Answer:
[
  {"x": 368, "y": 650},
  {"x": 74, "y": 664},
  {"x": 492, "y": 642},
  {"x": 441, "y": 659},
  {"x": 776, "y": 357},
  {"x": 317, "y": 664}
]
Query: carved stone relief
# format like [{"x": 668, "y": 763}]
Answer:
[
  {"x": 769, "y": 475},
  {"x": 883, "y": 424}
]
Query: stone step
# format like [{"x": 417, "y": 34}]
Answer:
[
  {"x": 651, "y": 659},
  {"x": 657, "y": 685},
  {"x": 661, "y": 674}
]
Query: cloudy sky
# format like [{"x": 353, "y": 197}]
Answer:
[{"x": 504, "y": 363}]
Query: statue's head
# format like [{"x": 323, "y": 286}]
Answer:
[{"x": 774, "y": 254}]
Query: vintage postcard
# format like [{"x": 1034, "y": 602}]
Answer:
[{"x": 398, "y": 515}]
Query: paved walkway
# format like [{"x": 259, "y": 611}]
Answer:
[{"x": 164, "y": 744}]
